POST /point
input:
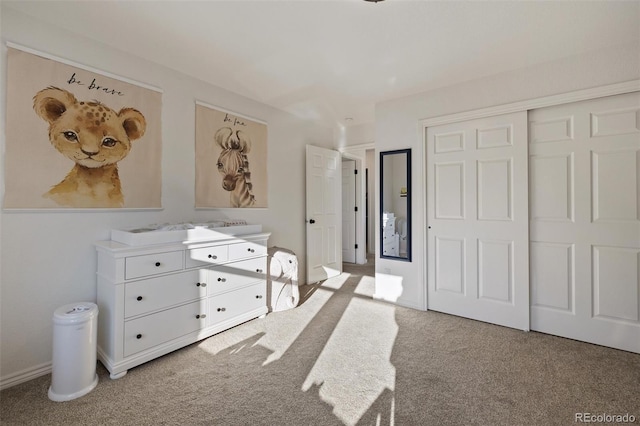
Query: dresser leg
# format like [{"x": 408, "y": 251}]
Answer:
[{"x": 118, "y": 375}]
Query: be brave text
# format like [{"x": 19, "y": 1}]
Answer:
[{"x": 93, "y": 86}]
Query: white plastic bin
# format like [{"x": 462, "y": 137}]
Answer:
[{"x": 75, "y": 331}]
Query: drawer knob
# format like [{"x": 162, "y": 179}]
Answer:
[
  {"x": 258, "y": 296},
  {"x": 139, "y": 298},
  {"x": 201, "y": 284},
  {"x": 203, "y": 316},
  {"x": 259, "y": 271},
  {"x": 139, "y": 336},
  {"x": 157, "y": 263},
  {"x": 222, "y": 309},
  {"x": 213, "y": 256},
  {"x": 222, "y": 280},
  {"x": 250, "y": 250}
]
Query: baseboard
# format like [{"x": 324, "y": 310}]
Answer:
[
  {"x": 410, "y": 304},
  {"x": 25, "y": 375},
  {"x": 400, "y": 302}
]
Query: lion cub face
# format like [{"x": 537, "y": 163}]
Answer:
[
  {"x": 88, "y": 133},
  {"x": 95, "y": 138}
]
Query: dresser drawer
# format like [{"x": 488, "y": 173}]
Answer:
[
  {"x": 152, "y": 264},
  {"x": 160, "y": 292},
  {"x": 212, "y": 254},
  {"x": 236, "y": 274},
  {"x": 238, "y": 302},
  {"x": 152, "y": 330},
  {"x": 247, "y": 249}
]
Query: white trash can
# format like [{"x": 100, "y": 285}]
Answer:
[{"x": 75, "y": 331}]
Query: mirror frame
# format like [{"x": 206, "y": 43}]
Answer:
[{"x": 383, "y": 154}]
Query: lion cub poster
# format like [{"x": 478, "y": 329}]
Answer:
[{"x": 79, "y": 139}]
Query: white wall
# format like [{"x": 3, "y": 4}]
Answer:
[
  {"x": 398, "y": 126},
  {"x": 373, "y": 195},
  {"x": 47, "y": 258},
  {"x": 356, "y": 134}
]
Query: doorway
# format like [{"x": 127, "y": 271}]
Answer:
[{"x": 362, "y": 156}]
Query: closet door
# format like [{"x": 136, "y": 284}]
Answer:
[
  {"x": 585, "y": 220},
  {"x": 477, "y": 217}
]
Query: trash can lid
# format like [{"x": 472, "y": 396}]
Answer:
[{"x": 75, "y": 313}]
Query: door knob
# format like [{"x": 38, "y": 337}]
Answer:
[{"x": 312, "y": 221}]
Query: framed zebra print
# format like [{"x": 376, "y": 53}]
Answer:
[{"x": 231, "y": 159}]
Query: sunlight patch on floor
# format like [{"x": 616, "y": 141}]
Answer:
[
  {"x": 366, "y": 286},
  {"x": 275, "y": 337},
  {"x": 352, "y": 380},
  {"x": 337, "y": 281}
]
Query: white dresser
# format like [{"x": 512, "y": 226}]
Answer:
[{"x": 157, "y": 298}]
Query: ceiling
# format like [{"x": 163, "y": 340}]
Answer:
[{"x": 332, "y": 60}]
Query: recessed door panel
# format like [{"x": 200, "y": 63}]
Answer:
[
  {"x": 616, "y": 283},
  {"x": 493, "y": 137},
  {"x": 495, "y": 277},
  {"x": 551, "y": 130},
  {"x": 617, "y": 122},
  {"x": 449, "y": 191},
  {"x": 449, "y": 142},
  {"x": 332, "y": 242},
  {"x": 551, "y": 193},
  {"x": 616, "y": 173},
  {"x": 315, "y": 203},
  {"x": 315, "y": 240},
  {"x": 331, "y": 184},
  {"x": 494, "y": 189},
  {"x": 552, "y": 276},
  {"x": 450, "y": 265}
]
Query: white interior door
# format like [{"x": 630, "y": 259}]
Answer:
[
  {"x": 324, "y": 214},
  {"x": 349, "y": 211},
  {"x": 477, "y": 215},
  {"x": 585, "y": 221}
]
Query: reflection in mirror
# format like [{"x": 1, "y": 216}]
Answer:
[{"x": 395, "y": 204}]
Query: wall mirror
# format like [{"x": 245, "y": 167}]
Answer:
[{"x": 395, "y": 204}]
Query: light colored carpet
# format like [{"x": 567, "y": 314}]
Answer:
[{"x": 341, "y": 358}]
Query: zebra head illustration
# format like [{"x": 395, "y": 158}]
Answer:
[{"x": 233, "y": 165}]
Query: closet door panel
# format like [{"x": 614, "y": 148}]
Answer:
[
  {"x": 585, "y": 220},
  {"x": 477, "y": 214}
]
